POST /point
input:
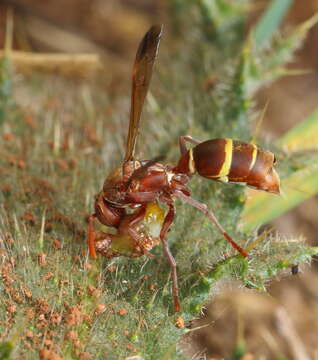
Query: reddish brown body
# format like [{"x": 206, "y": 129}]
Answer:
[
  {"x": 129, "y": 200},
  {"x": 230, "y": 160}
]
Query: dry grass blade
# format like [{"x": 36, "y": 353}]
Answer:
[
  {"x": 26, "y": 62},
  {"x": 288, "y": 331}
]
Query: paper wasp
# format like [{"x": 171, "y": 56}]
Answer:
[{"x": 142, "y": 185}]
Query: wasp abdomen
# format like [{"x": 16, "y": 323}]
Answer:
[
  {"x": 229, "y": 160},
  {"x": 213, "y": 158}
]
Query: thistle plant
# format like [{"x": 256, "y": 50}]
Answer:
[{"x": 54, "y": 158}]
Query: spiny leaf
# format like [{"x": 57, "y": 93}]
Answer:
[
  {"x": 283, "y": 47},
  {"x": 221, "y": 12},
  {"x": 259, "y": 65}
]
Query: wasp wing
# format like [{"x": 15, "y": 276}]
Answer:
[{"x": 142, "y": 71}]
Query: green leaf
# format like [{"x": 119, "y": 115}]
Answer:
[
  {"x": 297, "y": 187},
  {"x": 270, "y": 21},
  {"x": 262, "y": 207},
  {"x": 303, "y": 136}
]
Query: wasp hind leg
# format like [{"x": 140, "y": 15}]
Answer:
[
  {"x": 166, "y": 249},
  {"x": 214, "y": 220}
]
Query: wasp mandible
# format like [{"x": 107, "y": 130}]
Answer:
[{"x": 131, "y": 195}]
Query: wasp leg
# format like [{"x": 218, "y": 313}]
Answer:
[
  {"x": 206, "y": 211},
  {"x": 91, "y": 237},
  {"x": 183, "y": 140},
  {"x": 165, "y": 227}
]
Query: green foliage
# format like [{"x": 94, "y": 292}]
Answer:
[
  {"x": 218, "y": 16},
  {"x": 63, "y": 147},
  {"x": 260, "y": 65}
]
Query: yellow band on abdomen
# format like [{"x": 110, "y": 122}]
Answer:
[
  {"x": 254, "y": 156},
  {"x": 191, "y": 164},
  {"x": 226, "y": 167}
]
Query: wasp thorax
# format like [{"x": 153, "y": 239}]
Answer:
[
  {"x": 115, "y": 185},
  {"x": 121, "y": 174}
]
